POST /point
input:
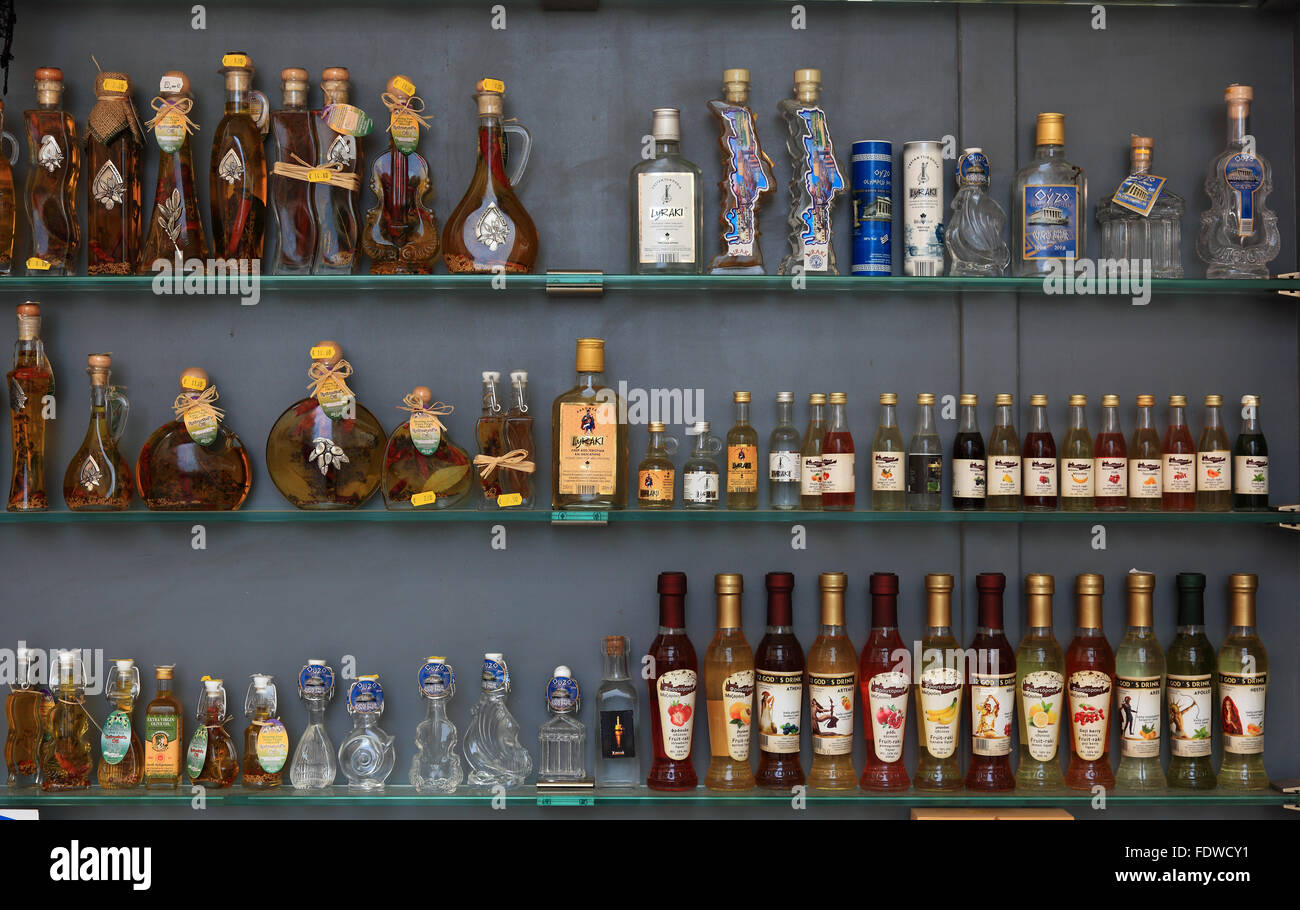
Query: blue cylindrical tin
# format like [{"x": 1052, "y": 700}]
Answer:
[{"x": 873, "y": 207}]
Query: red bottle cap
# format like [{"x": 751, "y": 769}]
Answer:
[
  {"x": 884, "y": 599},
  {"x": 779, "y": 609},
  {"x": 990, "y": 586},
  {"x": 672, "y": 600}
]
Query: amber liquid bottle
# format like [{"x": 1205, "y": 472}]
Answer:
[
  {"x": 588, "y": 440},
  {"x": 1178, "y": 452},
  {"x": 30, "y": 384},
  {"x": 401, "y": 234},
  {"x": 163, "y": 729},
  {"x": 747, "y": 179},
  {"x": 237, "y": 173},
  {"x": 779, "y": 673},
  {"x": 939, "y": 685},
  {"x": 729, "y": 691},
  {"x": 673, "y": 683},
  {"x": 338, "y": 210},
  {"x": 115, "y": 159},
  {"x": 1145, "y": 460},
  {"x": 1110, "y": 458},
  {"x": 1090, "y": 684},
  {"x": 293, "y": 200},
  {"x": 885, "y": 681},
  {"x": 1038, "y": 460},
  {"x": 98, "y": 478},
  {"x": 266, "y": 744},
  {"x": 121, "y": 760},
  {"x": 1213, "y": 461},
  {"x": 8, "y": 200},
  {"x": 838, "y": 480},
  {"x": 742, "y": 458},
  {"x": 220, "y": 762},
  {"x": 54, "y": 167},
  {"x": 832, "y": 687},
  {"x": 810, "y": 454},
  {"x": 992, "y": 691},
  {"x": 175, "y": 232}
]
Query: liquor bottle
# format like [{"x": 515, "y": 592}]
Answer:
[
  {"x": 367, "y": 753},
  {"x": 838, "y": 481},
  {"x": 973, "y": 235},
  {"x": 121, "y": 761},
  {"x": 326, "y": 451},
  {"x": 211, "y": 758},
  {"x": 1139, "y": 691},
  {"x": 940, "y": 680},
  {"x": 700, "y": 481},
  {"x": 1242, "y": 682},
  {"x": 1090, "y": 680},
  {"x": 54, "y": 155},
  {"x": 815, "y": 178},
  {"x": 779, "y": 670},
  {"x": 293, "y": 199},
  {"x": 164, "y": 724},
  {"x": 655, "y": 487},
  {"x": 747, "y": 179},
  {"x": 811, "y": 468},
  {"x": 1049, "y": 196},
  {"x": 98, "y": 478},
  {"x": 115, "y": 168},
  {"x": 1213, "y": 461},
  {"x": 401, "y": 233},
  {"x": 925, "y": 460},
  {"x": 1238, "y": 237},
  {"x": 673, "y": 683},
  {"x": 1190, "y": 688},
  {"x": 518, "y": 488},
  {"x": 493, "y": 751},
  {"x": 885, "y": 680},
  {"x": 65, "y": 732},
  {"x": 490, "y": 433},
  {"x": 31, "y": 388},
  {"x": 783, "y": 456},
  {"x": 729, "y": 691},
  {"x": 562, "y": 740},
  {"x": 588, "y": 441},
  {"x": 314, "y": 766},
  {"x": 489, "y": 229},
  {"x": 194, "y": 462},
  {"x": 923, "y": 208},
  {"x": 1250, "y": 461},
  {"x": 969, "y": 460},
  {"x": 237, "y": 176},
  {"x": 888, "y": 487},
  {"x": 1142, "y": 220},
  {"x": 25, "y": 706},
  {"x": 1040, "y": 689},
  {"x": 423, "y": 467},
  {"x": 8, "y": 198},
  {"x": 1038, "y": 458},
  {"x": 832, "y": 685},
  {"x": 266, "y": 742},
  {"x": 617, "y": 761},
  {"x": 992, "y": 691},
  {"x": 667, "y": 230},
  {"x": 175, "y": 232},
  {"x": 1004, "y": 460},
  {"x": 742, "y": 458},
  {"x": 338, "y": 128},
  {"x": 1145, "y": 460},
  {"x": 1178, "y": 460},
  {"x": 1078, "y": 485},
  {"x": 1110, "y": 460}
]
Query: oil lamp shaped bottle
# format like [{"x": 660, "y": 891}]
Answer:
[
  {"x": 747, "y": 179},
  {"x": 423, "y": 468},
  {"x": 175, "y": 233},
  {"x": 436, "y": 766},
  {"x": 121, "y": 762},
  {"x": 314, "y": 766},
  {"x": 366, "y": 755},
  {"x": 54, "y": 159},
  {"x": 237, "y": 173},
  {"x": 338, "y": 127},
  {"x": 211, "y": 758},
  {"x": 98, "y": 478},
  {"x": 492, "y": 747},
  {"x": 401, "y": 233},
  {"x": 66, "y": 749},
  {"x": 115, "y": 170}
]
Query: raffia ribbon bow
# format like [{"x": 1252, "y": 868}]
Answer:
[
  {"x": 321, "y": 374},
  {"x": 412, "y": 106},
  {"x": 303, "y": 171},
  {"x": 514, "y": 460},
  {"x": 164, "y": 106},
  {"x": 438, "y": 409},
  {"x": 201, "y": 403}
]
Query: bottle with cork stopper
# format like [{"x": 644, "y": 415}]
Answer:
[
  {"x": 175, "y": 233},
  {"x": 992, "y": 691},
  {"x": 115, "y": 170},
  {"x": 1040, "y": 691},
  {"x": 98, "y": 478},
  {"x": 729, "y": 691},
  {"x": 747, "y": 179},
  {"x": 832, "y": 688},
  {"x": 816, "y": 180},
  {"x": 423, "y": 468},
  {"x": 667, "y": 215},
  {"x": 1139, "y": 690},
  {"x": 1090, "y": 684},
  {"x": 30, "y": 383},
  {"x": 779, "y": 670},
  {"x": 401, "y": 233},
  {"x": 673, "y": 683},
  {"x": 8, "y": 197},
  {"x": 588, "y": 438},
  {"x": 939, "y": 687},
  {"x": 1050, "y": 201},
  {"x": 885, "y": 679},
  {"x": 338, "y": 127},
  {"x": 618, "y": 763},
  {"x": 293, "y": 201},
  {"x": 237, "y": 175},
  {"x": 1242, "y": 681},
  {"x": 54, "y": 159},
  {"x": 1142, "y": 219}
]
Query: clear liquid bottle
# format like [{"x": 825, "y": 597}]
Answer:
[
  {"x": 700, "y": 475},
  {"x": 888, "y": 460},
  {"x": 121, "y": 761},
  {"x": 1139, "y": 691},
  {"x": 314, "y": 766},
  {"x": 435, "y": 767},
  {"x": 1145, "y": 460},
  {"x": 588, "y": 441},
  {"x": 1090, "y": 681},
  {"x": 655, "y": 484},
  {"x": 66, "y": 750},
  {"x": 783, "y": 456},
  {"x": 562, "y": 740},
  {"x": 1242, "y": 690},
  {"x": 1038, "y": 460},
  {"x": 973, "y": 234},
  {"x": 266, "y": 741},
  {"x": 779, "y": 671},
  {"x": 1110, "y": 460},
  {"x": 618, "y": 763},
  {"x": 1178, "y": 460},
  {"x": 674, "y": 686},
  {"x": 1213, "y": 461},
  {"x": 1142, "y": 220},
  {"x": 98, "y": 478},
  {"x": 939, "y": 688},
  {"x": 1040, "y": 691},
  {"x": 969, "y": 460},
  {"x": 884, "y": 678},
  {"x": 667, "y": 230},
  {"x": 742, "y": 458},
  {"x": 29, "y": 383},
  {"x": 26, "y": 704},
  {"x": 815, "y": 178},
  {"x": 519, "y": 438},
  {"x": 492, "y": 747},
  {"x": 367, "y": 753},
  {"x": 164, "y": 722},
  {"x": 490, "y": 433},
  {"x": 925, "y": 460},
  {"x": 1077, "y": 465},
  {"x": 212, "y": 760},
  {"x": 1190, "y": 687},
  {"x": 1050, "y": 199},
  {"x": 838, "y": 479},
  {"x": 747, "y": 179},
  {"x": 832, "y": 687},
  {"x": 729, "y": 691},
  {"x": 1250, "y": 461},
  {"x": 992, "y": 679},
  {"x": 810, "y": 454},
  {"x": 1004, "y": 460}
]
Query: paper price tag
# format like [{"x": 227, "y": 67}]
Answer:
[
  {"x": 38, "y": 264},
  {"x": 193, "y": 383},
  {"x": 169, "y": 84},
  {"x": 404, "y": 85},
  {"x": 424, "y": 499},
  {"x": 115, "y": 85},
  {"x": 492, "y": 85},
  {"x": 322, "y": 352},
  {"x": 234, "y": 60},
  {"x": 319, "y": 175},
  {"x": 506, "y": 500}
]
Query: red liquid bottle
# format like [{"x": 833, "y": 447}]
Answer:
[
  {"x": 673, "y": 683},
  {"x": 779, "y": 674},
  {"x": 1110, "y": 460},
  {"x": 1090, "y": 683},
  {"x": 1178, "y": 452},
  {"x": 992, "y": 680},
  {"x": 885, "y": 680},
  {"x": 837, "y": 455},
  {"x": 1038, "y": 460}
]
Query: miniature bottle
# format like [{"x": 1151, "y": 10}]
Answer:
[
  {"x": 973, "y": 235},
  {"x": 655, "y": 484},
  {"x": 1110, "y": 460},
  {"x": 815, "y": 179},
  {"x": 314, "y": 766},
  {"x": 992, "y": 692},
  {"x": 401, "y": 234},
  {"x": 673, "y": 685},
  {"x": 1051, "y": 196},
  {"x": 366, "y": 754},
  {"x": 747, "y": 179},
  {"x": 729, "y": 691},
  {"x": 1139, "y": 691},
  {"x": 1004, "y": 459},
  {"x": 1242, "y": 683},
  {"x": 266, "y": 741},
  {"x": 1090, "y": 681},
  {"x": 618, "y": 763},
  {"x": 783, "y": 456},
  {"x": 489, "y": 228},
  {"x": 1040, "y": 691},
  {"x": 115, "y": 170},
  {"x": 98, "y": 478},
  {"x": 194, "y": 462},
  {"x": 435, "y": 767},
  {"x": 338, "y": 127},
  {"x": 1238, "y": 237},
  {"x": 518, "y": 489},
  {"x": 888, "y": 460},
  {"x": 54, "y": 159},
  {"x": 121, "y": 762},
  {"x": 1142, "y": 221},
  {"x": 1078, "y": 485},
  {"x": 423, "y": 468},
  {"x": 810, "y": 454},
  {"x": 1145, "y": 460},
  {"x": 66, "y": 749},
  {"x": 925, "y": 460},
  {"x": 1178, "y": 454},
  {"x": 969, "y": 460},
  {"x": 700, "y": 474},
  {"x": 175, "y": 233},
  {"x": 832, "y": 685},
  {"x": 31, "y": 389},
  {"x": 211, "y": 758},
  {"x": 940, "y": 681},
  {"x": 293, "y": 198},
  {"x": 779, "y": 669},
  {"x": 1190, "y": 686},
  {"x": 839, "y": 483},
  {"x": 1038, "y": 460},
  {"x": 26, "y": 705},
  {"x": 884, "y": 680},
  {"x": 492, "y": 747},
  {"x": 490, "y": 433},
  {"x": 237, "y": 176},
  {"x": 667, "y": 232},
  {"x": 1250, "y": 461},
  {"x": 742, "y": 458},
  {"x": 1213, "y": 461},
  {"x": 163, "y": 728},
  {"x": 326, "y": 451},
  {"x": 562, "y": 740},
  {"x": 588, "y": 441},
  {"x": 8, "y": 198}
]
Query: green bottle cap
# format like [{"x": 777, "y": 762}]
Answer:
[{"x": 1191, "y": 599}]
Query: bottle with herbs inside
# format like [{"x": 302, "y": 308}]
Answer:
[
  {"x": 294, "y": 178},
  {"x": 1250, "y": 461},
  {"x": 8, "y": 197},
  {"x": 338, "y": 127},
  {"x": 175, "y": 232},
  {"x": 423, "y": 468},
  {"x": 66, "y": 749},
  {"x": 266, "y": 741},
  {"x": 115, "y": 169},
  {"x": 194, "y": 462},
  {"x": 401, "y": 234},
  {"x": 490, "y": 433},
  {"x": 121, "y": 761},
  {"x": 237, "y": 176},
  {"x": 211, "y": 758},
  {"x": 98, "y": 478},
  {"x": 518, "y": 489},
  {"x": 27, "y": 703},
  {"x": 31, "y": 391},
  {"x": 489, "y": 229},
  {"x": 54, "y": 158},
  {"x": 326, "y": 451}
]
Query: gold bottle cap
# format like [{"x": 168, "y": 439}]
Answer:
[
  {"x": 657, "y": 426},
  {"x": 423, "y": 394},
  {"x": 925, "y": 398},
  {"x": 1177, "y": 401},
  {"x": 728, "y": 586},
  {"x": 666, "y": 125},
  {"x": 1051, "y": 129},
  {"x": 1038, "y": 401},
  {"x": 1241, "y": 589},
  {"x": 1078, "y": 401},
  {"x": 832, "y": 585},
  {"x": 817, "y": 398},
  {"x": 888, "y": 398},
  {"x": 591, "y": 355},
  {"x": 329, "y": 352},
  {"x": 938, "y": 603},
  {"x": 164, "y": 671},
  {"x": 1246, "y": 400},
  {"x": 838, "y": 398},
  {"x": 735, "y": 75},
  {"x": 740, "y": 397},
  {"x": 1003, "y": 399},
  {"x": 1090, "y": 583},
  {"x": 1037, "y": 583},
  {"x": 1110, "y": 401},
  {"x": 1214, "y": 401},
  {"x": 1140, "y": 586},
  {"x": 728, "y": 583},
  {"x": 1038, "y": 596},
  {"x": 194, "y": 379},
  {"x": 1146, "y": 401},
  {"x": 1089, "y": 588},
  {"x": 735, "y": 85},
  {"x": 967, "y": 398},
  {"x": 400, "y": 87}
]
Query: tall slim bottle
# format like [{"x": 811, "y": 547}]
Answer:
[
  {"x": 939, "y": 685},
  {"x": 1139, "y": 691},
  {"x": 1049, "y": 202},
  {"x": 673, "y": 683},
  {"x": 1110, "y": 460},
  {"x": 1090, "y": 681},
  {"x": 783, "y": 456},
  {"x": 969, "y": 460},
  {"x": 490, "y": 434},
  {"x": 31, "y": 387},
  {"x": 1213, "y": 461},
  {"x": 1190, "y": 688},
  {"x": 779, "y": 677},
  {"x": 588, "y": 440},
  {"x": 884, "y": 680},
  {"x": 1178, "y": 454},
  {"x": 1145, "y": 460},
  {"x": 1040, "y": 689},
  {"x": 175, "y": 234},
  {"x": 810, "y": 454},
  {"x": 838, "y": 481},
  {"x": 1038, "y": 459},
  {"x": 888, "y": 460},
  {"x": 164, "y": 724},
  {"x": 925, "y": 460},
  {"x": 618, "y": 764},
  {"x": 992, "y": 691},
  {"x": 667, "y": 230},
  {"x": 747, "y": 179},
  {"x": 293, "y": 201},
  {"x": 742, "y": 458},
  {"x": 26, "y": 706},
  {"x": 1250, "y": 461},
  {"x": 338, "y": 209},
  {"x": 519, "y": 436},
  {"x": 815, "y": 178},
  {"x": 1243, "y": 688},
  {"x": 8, "y": 200},
  {"x": 729, "y": 691},
  {"x": 114, "y": 167},
  {"x": 1004, "y": 458},
  {"x": 832, "y": 685},
  {"x": 237, "y": 174},
  {"x": 54, "y": 167},
  {"x": 1077, "y": 481}
]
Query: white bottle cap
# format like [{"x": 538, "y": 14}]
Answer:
[
  {"x": 563, "y": 672},
  {"x": 315, "y": 662},
  {"x": 212, "y": 685},
  {"x": 518, "y": 376},
  {"x": 491, "y": 375},
  {"x": 699, "y": 428},
  {"x": 260, "y": 680},
  {"x": 494, "y": 655},
  {"x": 124, "y": 664}
]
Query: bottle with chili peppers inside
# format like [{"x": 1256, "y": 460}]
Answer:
[
  {"x": 237, "y": 177},
  {"x": 423, "y": 468}
]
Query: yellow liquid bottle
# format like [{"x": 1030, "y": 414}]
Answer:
[
  {"x": 939, "y": 693},
  {"x": 832, "y": 686},
  {"x": 588, "y": 440},
  {"x": 729, "y": 684},
  {"x": 1242, "y": 690}
]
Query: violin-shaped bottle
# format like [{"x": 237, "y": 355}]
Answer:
[
  {"x": 401, "y": 233},
  {"x": 493, "y": 751},
  {"x": 436, "y": 765}
]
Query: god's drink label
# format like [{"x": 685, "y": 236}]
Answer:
[
  {"x": 1144, "y": 476},
  {"x": 940, "y": 709},
  {"x": 887, "y": 472},
  {"x": 742, "y": 469},
  {"x": 675, "y": 693},
  {"x": 1137, "y": 709},
  {"x": 588, "y": 449},
  {"x": 1041, "y": 695},
  {"x": 992, "y": 711},
  {"x": 730, "y": 716},
  {"x": 830, "y": 699},
  {"x": 1191, "y": 715},
  {"x": 1241, "y": 711},
  {"x": 887, "y": 714},
  {"x": 1090, "y": 713},
  {"x": 780, "y": 710},
  {"x": 1213, "y": 471}
]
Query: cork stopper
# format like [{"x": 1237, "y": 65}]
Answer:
[
  {"x": 1238, "y": 98},
  {"x": 194, "y": 379},
  {"x": 1241, "y": 589},
  {"x": 335, "y": 84},
  {"x": 1177, "y": 401},
  {"x": 1110, "y": 401},
  {"x": 1141, "y": 142},
  {"x": 591, "y": 355},
  {"x": 49, "y": 85},
  {"x": 1051, "y": 129},
  {"x": 1078, "y": 401},
  {"x": 237, "y": 67},
  {"x": 615, "y": 645},
  {"x": 293, "y": 86},
  {"x": 1214, "y": 401},
  {"x": 735, "y": 85},
  {"x": 175, "y": 84},
  {"x": 422, "y": 394},
  {"x": 400, "y": 87},
  {"x": 666, "y": 124},
  {"x": 888, "y": 398},
  {"x": 49, "y": 74},
  {"x": 29, "y": 321},
  {"x": 489, "y": 95},
  {"x": 832, "y": 585},
  {"x": 817, "y": 398},
  {"x": 335, "y": 355},
  {"x": 98, "y": 365},
  {"x": 969, "y": 399},
  {"x": 112, "y": 85},
  {"x": 938, "y": 600},
  {"x": 807, "y": 85},
  {"x": 838, "y": 398},
  {"x": 1146, "y": 401},
  {"x": 1038, "y": 401},
  {"x": 925, "y": 398},
  {"x": 740, "y": 397}
]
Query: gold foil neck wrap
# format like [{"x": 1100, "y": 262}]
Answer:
[
  {"x": 1241, "y": 591},
  {"x": 832, "y": 585},
  {"x": 728, "y": 586},
  {"x": 1089, "y": 588},
  {"x": 1140, "y": 586},
  {"x": 938, "y": 600}
]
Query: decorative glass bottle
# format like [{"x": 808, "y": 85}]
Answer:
[
  {"x": 517, "y": 487},
  {"x": 562, "y": 740},
  {"x": 8, "y": 197},
  {"x": 939, "y": 689},
  {"x": 1190, "y": 688},
  {"x": 401, "y": 233},
  {"x": 98, "y": 478},
  {"x": 435, "y": 767},
  {"x": 700, "y": 474},
  {"x": 747, "y": 179},
  {"x": 115, "y": 170},
  {"x": 266, "y": 741},
  {"x": 811, "y": 468},
  {"x": 1048, "y": 198},
  {"x": 1004, "y": 460},
  {"x": 54, "y": 167},
  {"x": 992, "y": 679},
  {"x": 163, "y": 727},
  {"x": 667, "y": 230},
  {"x": 673, "y": 685},
  {"x": 326, "y": 451},
  {"x": 194, "y": 462},
  {"x": 489, "y": 229},
  {"x": 66, "y": 750},
  {"x": 815, "y": 179},
  {"x": 1242, "y": 683},
  {"x": 973, "y": 235},
  {"x": 1250, "y": 461},
  {"x": 338, "y": 127},
  {"x": 1040, "y": 691},
  {"x": 1213, "y": 461},
  {"x": 729, "y": 691},
  {"x": 617, "y": 761},
  {"x": 314, "y": 766},
  {"x": 423, "y": 468},
  {"x": 742, "y": 458},
  {"x": 293, "y": 198},
  {"x": 925, "y": 460},
  {"x": 26, "y": 705},
  {"x": 588, "y": 439},
  {"x": 237, "y": 176},
  {"x": 175, "y": 233},
  {"x": 655, "y": 485},
  {"x": 366, "y": 754},
  {"x": 490, "y": 433},
  {"x": 493, "y": 751},
  {"x": 31, "y": 390},
  {"x": 211, "y": 758},
  {"x": 1142, "y": 221},
  {"x": 121, "y": 762},
  {"x": 1139, "y": 691}
]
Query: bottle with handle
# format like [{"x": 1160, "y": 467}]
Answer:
[{"x": 98, "y": 478}]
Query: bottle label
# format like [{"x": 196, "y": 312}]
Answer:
[
  {"x": 810, "y": 476},
  {"x": 1213, "y": 470},
  {"x": 1041, "y": 695},
  {"x": 923, "y": 211},
  {"x": 1138, "y": 193},
  {"x": 1178, "y": 474},
  {"x": 940, "y": 709},
  {"x": 749, "y": 177},
  {"x": 780, "y": 710},
  {"x": 992, "y": 711},
  {"x": 617, "y": 734},
  {"x": 730, "y": 717},
  {"x": 1250, "y": 475},
  {"x": 334, "y": 399},
  {"x": 115, "y": 741},
  {"x": 837, "y": 473},
  {"x": 655, "y": 485},
  {"x": 202, "y": 425},
  {"x": 563, "y": 695},
  {"x": 700, "y": 486},
  {"x": 588, "y": 449},
  {"x": 925, "y": 474},
  {"x": 272, "y": 746},
  {"x": 886, "y": 472},
  {"x": 1137, "y": 708},
  {"x": 675, "y": 693},
  {"x": 1144, "y": 478},
  {"x": 887, "y": 706},
  {"x": 1245, "y": 177},
  {"x": 1191, "y": 715},
  {"x": 742, "y": 469},
  {"x": 1241, "y": 706},
  {"x": 197, "y": 753},
  {"x": 1076, "y": 477},
  {"x": 162, "y": 748},
  {"x": 426, "y": 433},
  {"x": 821, "y": 180},
  {"x": 1050, "y": 215},
  {"x": 1004, "y": 475},
  {"x": 1040, "y": 476},
  {"x": 969, "y": 478},
  {"x": 436, "y": 679},
  {"x": 169, "y": 133},
  {"x": 1089, "y": 705},
  {"x": 665, "y": 207},
  {"x": 830, "y": 699},
  {"x": 1111, "y": 475},
  {"x": 366, "y": 695},
  {"x": 783, "y": 467}
]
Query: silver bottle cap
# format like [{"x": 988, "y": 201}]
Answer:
[{"x": 667, "y": 124}]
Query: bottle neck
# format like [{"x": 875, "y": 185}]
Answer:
[
  {"x": 1213, "y": 417},
  {"x": 1038, "y": 419},
  {"x": 701, "y": 447},
  {"x": 925, "y": 420},
  {"x": 884, "y": 612},
  {"x": 656, "y": 443},
  {"x": 784, "y": 413},
  {"x": 1078, "y": 417},
  {"x": 1140, "y": 161},
  {"x": 615, "y": 666},
  {"x": 520, "y": 396},
  {"x": 315, "y": 711},
  {"x": 741, "y": 409},
  {"x": 1238, "y": 124},
  {"x": 1003, "y": 418},
  {"x": 1110, "y": 420},
  {"x": 839, "y": 421},
  {"x": 590, "y": 380},
  {"x": 1053, "y": 150},
  {"x": 28, "y": 352},
  {"x": 1250, "y": 420},
  {"x": 489, "y": 146},
  {"x": 888, "y": 417},
  {"x": 667, "y": 148},
  {"x": 816, "y": 415},
  {"x": 491, "y": 403},
  {"x": 1176, "y": 417},
  {"x": 969, "y": 420},
  {"x": 1145, "y": 419}
]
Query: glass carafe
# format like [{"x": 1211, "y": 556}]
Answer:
[
  {"x": 31, "y": 391},
  {"x": 435, "y": 767},
  {"x": 423, "y": 468},
  {"x": 121, "y": 763},
  {"x": 401, "y": 234},
  {"x": 98, "y": 478},
  {"x": 66, "y": 749},
  {"x": 493, "y": 751},
  {"x": 700, "y": 476},
  {"x": 54, "y": 167},
  {"x": 367, "y": 754},
  {"x": 313, "y": 766},
  {"x": 115, "y": 170},
  {"x": 237, "y": 174},
  {"x": 211, "y": 759},
  {"x": 175, "y": 233},
  {"x": 266, "y": 742}
]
